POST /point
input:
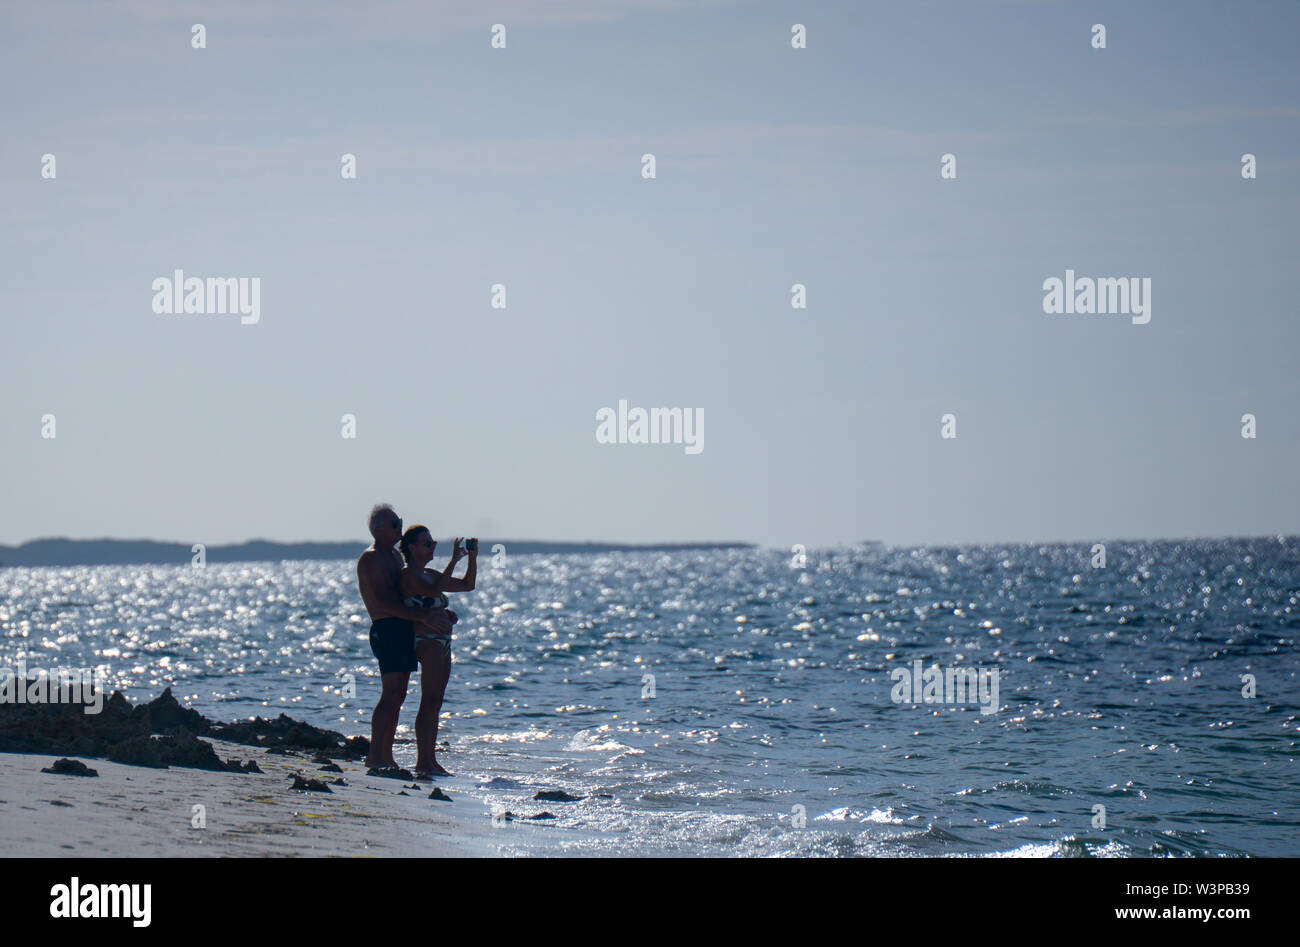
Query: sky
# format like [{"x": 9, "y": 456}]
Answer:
[{"x": 774, "y": 166}]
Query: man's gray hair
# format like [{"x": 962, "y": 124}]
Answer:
[{"x": 377, "y": 509}]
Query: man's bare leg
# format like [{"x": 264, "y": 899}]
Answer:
[
  {"x": 383, "y": 722},
  {"x": 435, "y": 664}
]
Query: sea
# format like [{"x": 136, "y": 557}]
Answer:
[{"x": 749, "y": 702}]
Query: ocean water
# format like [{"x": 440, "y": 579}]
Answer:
[{"x": 728, "y": 703}]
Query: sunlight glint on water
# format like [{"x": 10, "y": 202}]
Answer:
[{"x": 772, "y": 694}]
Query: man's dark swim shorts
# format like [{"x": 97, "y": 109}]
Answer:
[{"x": 393, "y": 642}]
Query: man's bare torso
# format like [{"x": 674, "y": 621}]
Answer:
[{"x": 389, "y": 566}]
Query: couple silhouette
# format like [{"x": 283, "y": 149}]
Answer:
[{"x": 410, "y": 629}]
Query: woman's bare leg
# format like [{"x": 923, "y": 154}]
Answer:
[{"x": 435, "y": 667}]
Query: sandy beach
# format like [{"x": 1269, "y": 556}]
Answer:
[
  {"x": 253, "y": 787},
  {"x": 143, "y": 811}
]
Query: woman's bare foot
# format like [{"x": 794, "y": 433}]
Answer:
[{"x": 431, "y": 771}]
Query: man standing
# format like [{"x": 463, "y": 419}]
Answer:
[{"x": 392, "y": 632}]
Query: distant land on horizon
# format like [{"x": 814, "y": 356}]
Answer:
[{"x": 112, "y": 552}]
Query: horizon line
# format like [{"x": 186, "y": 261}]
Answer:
[{"x": 676, "y": 542}]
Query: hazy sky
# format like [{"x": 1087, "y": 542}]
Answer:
[{"x": 775, "y": 166}]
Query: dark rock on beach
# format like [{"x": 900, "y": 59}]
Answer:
[
  {"x": 307, "y": 784},
  {"x": 331, "y": 768},
  {"x": 119, "y": 732},
  {"x": 556, "y": 795},
  {"x": 389, "y": 773},
  {"x": 160, "y": 733},
  {"x": 509, "y": 816},
  {"x": 183, "y": 749},
  {"x": 70, "y": 768},
  {"x": 439, "y": 795},
  {"x": 285, "y": 733},
  {"x": 164, "y": 714}
]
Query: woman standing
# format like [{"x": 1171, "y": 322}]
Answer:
[{"x": 424, "y": 588}]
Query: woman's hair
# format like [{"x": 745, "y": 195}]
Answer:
[{"x": 409, "y": 537}]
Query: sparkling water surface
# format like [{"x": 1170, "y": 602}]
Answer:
[{"x": 726, "y": 703}]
